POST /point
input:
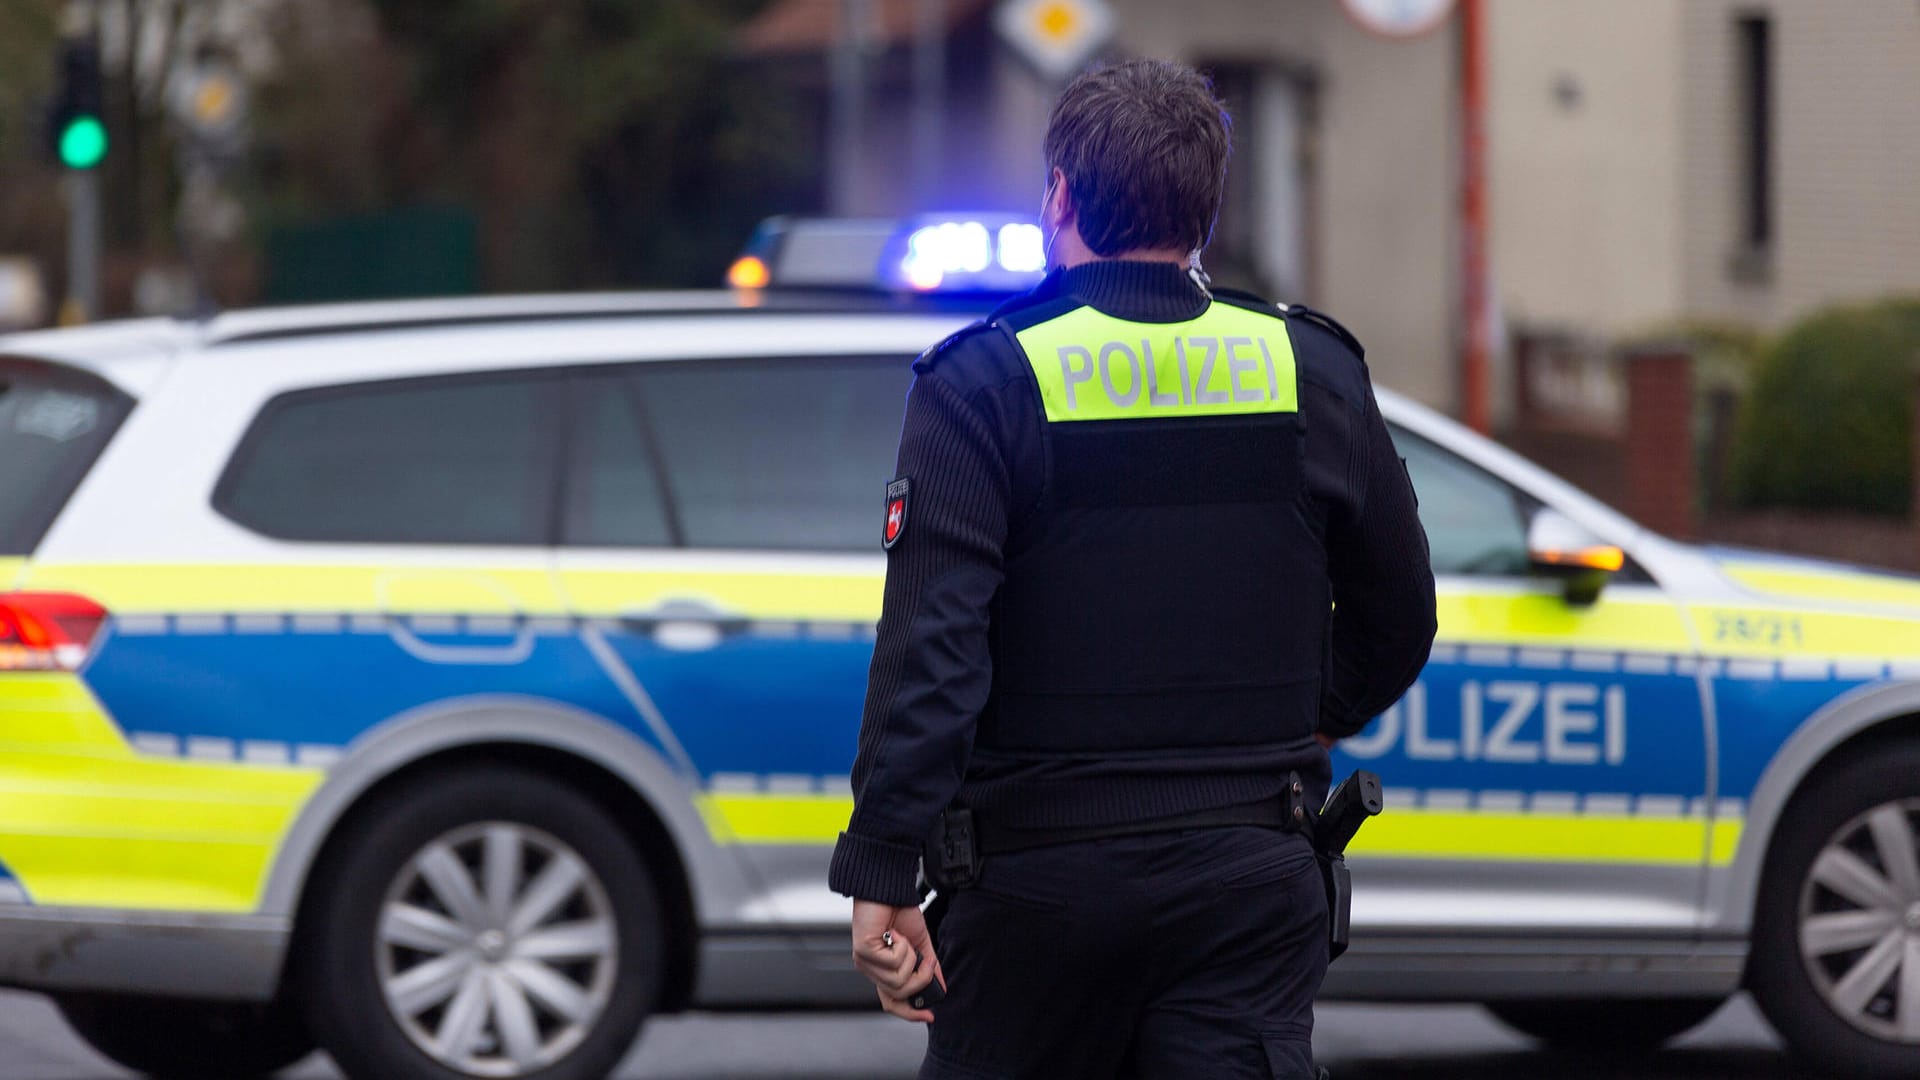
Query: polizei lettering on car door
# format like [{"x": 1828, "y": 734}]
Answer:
[{"x": 1513, "y": 721}]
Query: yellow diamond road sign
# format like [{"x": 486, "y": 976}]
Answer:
[{"x": 1056, "y": 36}]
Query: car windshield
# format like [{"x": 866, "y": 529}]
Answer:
[{"x": 53, "y": 423}]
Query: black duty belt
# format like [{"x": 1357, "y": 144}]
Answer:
[
  {"x": 953, "y": 854},
  {"x": 961, "y": 840},
  {"x": 990, "y": 838}
]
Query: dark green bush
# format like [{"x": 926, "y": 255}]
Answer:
[{"x": 1828, "y": 422}]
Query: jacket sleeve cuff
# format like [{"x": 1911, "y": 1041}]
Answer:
[{"x": 869, "y": 869}]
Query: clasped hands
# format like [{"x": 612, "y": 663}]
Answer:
[{"x": 893, "y": 949}]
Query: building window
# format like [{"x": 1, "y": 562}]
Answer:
[{"x": 1754, "y": 35}]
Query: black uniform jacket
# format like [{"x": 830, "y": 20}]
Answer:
[{"x": 1004, "y": 523}]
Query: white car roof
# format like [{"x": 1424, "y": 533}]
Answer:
[
  {"x": 135, "y": 353},
  {"x": 130, "y": 352}
]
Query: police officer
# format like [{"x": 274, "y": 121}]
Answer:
[{"x": 1150, "y": 550}]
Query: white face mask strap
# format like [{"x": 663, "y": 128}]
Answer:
[
  {"x": 1200, "y": 279},
  {"x": 1046, "y": 248}
]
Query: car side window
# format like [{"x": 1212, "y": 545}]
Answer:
[
  {"x": 615, "y": 497},
  {"x": 463, "y": 460},
  {"x": 1476, "y": 524},
  {"x": 779, "y": 453}
]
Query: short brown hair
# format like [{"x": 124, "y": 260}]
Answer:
[{"x": 1144, "y": 148}]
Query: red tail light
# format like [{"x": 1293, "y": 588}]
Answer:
[{"x": 47, "y": 631}]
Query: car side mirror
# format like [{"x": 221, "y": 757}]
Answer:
[{"x": 1559, "y": 547}]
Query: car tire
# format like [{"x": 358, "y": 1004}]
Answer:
[
  {"x": 1830, "y": 969},
  {"x": 490, "y": 922},
  {"x": 1605, "y": 1024},
  {"x": 189, "y": 1040}
]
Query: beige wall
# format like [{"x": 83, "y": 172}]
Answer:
[
  {"x": 1846, "y": 164},
  {"x": 1584, "y": 195},
  {"x": 1382, "y": 230}
]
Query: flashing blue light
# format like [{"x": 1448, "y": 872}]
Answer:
[
  {"x": 951, "y": 247},
  {"x": 1022, "y": 249},
  {"x": 976, "y": 253}
]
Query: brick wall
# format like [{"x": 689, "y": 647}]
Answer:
[
  {"x": 1650, "y": 472},
  {"x": 1661, "y": 467}
]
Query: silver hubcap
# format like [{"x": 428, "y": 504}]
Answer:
[
  {"x": 497, "y": 949},
  {"x": 1860, "y": 922}
]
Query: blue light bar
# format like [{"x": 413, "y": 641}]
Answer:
[{"x": 965, "y": 253}]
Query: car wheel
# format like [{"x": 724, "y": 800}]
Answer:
[
  {"x": 188, "y": 1040},
  {"x": 1605, "y": 1023},
  {"x": 491, "y": 923},
  {"x": 1836, "y": 945}
]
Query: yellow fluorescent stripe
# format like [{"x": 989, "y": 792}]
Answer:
[
  {"x": 1434, "y": 834},
  {"x": 1413, "y": 834},
  {"x": 147, "y": 834},
  {"x": 51, "y": 689},
  {"x": 9, "y": 570},
  {"x": 844, "y": 596},
  {"x": 776, "y": 819},
  {"x": 1546, "y": 619},
  {"x": 1829, "y": 585},
  {"x": 141, "y": 873},
  {"x": 130, "y": 588},
  {"x": 86, "y": 820}
]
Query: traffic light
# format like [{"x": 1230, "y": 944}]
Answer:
[{"x": 76, "y": 124}]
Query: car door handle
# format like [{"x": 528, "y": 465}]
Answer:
[{"x": 685, "y": 624}]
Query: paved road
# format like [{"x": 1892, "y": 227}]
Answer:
[{"x": 1359, "y": 1042}]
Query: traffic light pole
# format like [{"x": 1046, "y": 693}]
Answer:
[
  {"x": 78, "y": 129},
  {"x": 83, "y": 248}
]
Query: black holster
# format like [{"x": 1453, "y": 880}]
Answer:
[
  {"x": 1348, "y": 807},
  {"x": 951, "y": 858},
  {"x": 1333, "y": 869}
]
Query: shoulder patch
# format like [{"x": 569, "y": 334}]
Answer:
[
  {"x": 1328, "y": 323},
  {"x": 931, "y": 357},
  {"x": 896, "y": 527}
]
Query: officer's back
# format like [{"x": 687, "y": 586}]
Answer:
[{"x": 1147, "y": 541}]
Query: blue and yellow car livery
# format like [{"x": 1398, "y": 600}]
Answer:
[{"x": 1586, "y": 793}]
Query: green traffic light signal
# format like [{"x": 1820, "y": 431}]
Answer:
[{"x": 83, "y": 142}]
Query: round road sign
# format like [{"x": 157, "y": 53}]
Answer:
[{"x": 1399, "y": 18}]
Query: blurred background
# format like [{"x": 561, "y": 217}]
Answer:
[
  {"x": 1667, "y": 249},
  {"x": 1512, "y": 204}
]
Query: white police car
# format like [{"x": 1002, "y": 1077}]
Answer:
[{"x": 456, "y": 683}]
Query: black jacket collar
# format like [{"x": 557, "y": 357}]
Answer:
[{"x": 1124, "y": 288}]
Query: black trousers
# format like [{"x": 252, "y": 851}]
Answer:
[{"x": 1172, "y": 955}]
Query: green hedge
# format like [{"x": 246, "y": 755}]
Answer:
[{"x": 1828, "y": 421}]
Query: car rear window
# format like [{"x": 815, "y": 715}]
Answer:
[
  {"x": 781, "y": 454},
  {"x": 53, "y": 423},
  {"x": 465, "y": 460},
  {"x": 784, "y": 454}
]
